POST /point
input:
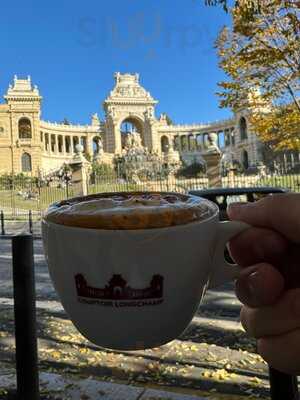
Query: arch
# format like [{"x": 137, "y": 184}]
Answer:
[
  {"x": 26, "y": 162},
  {"x": 118, "y": 291},
  {"x": 243, "y": 128},
  {"x": 25, "y": 131},
  {"x": 245, "y": 159},
  {"x": 164, "y": 141},
  {"x": 131, "y": 125},
  {"x": 96, "y": 146}
]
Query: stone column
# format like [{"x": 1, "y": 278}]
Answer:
[
  {"x": 71, "y": 145},
  {"x": 213, "y": 168},
  {"x": 118, "y": 143},
  {"x": 63, "y": 144},
  {"x": 89, "y": 146},
  {"x": 56, "y": 145}
]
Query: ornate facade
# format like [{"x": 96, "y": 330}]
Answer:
[{"x": 30, "y": 145}]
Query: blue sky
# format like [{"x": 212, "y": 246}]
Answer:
[{"x": 72, "y": 48}]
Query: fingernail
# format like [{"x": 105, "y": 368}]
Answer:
[
  {"x": 254, "y": 285},
  {"x": 234, "y": 209}
]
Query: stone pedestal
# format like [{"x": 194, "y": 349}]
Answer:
[
  {"x": 213, "y": 161},
  {"x": 81, "y": 169}
]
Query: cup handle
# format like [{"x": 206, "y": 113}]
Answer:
[{"x": 223, "y": 271}]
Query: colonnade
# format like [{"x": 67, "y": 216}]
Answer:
[
  {"x": 196, "y": 142},
  {"x": 56, "y": 144}
]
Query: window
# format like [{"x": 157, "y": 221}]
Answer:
[
  {"x": 243, "y": 128},
  {"x": 1, "y": 130},
  {"x": 164, "y": 144},
  {"x": 25, "y": 128},
  {"x": 26, "y": 162},
  {"x": 245, "y": 159}
]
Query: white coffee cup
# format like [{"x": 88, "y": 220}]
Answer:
[{"x": 137, "y": 289}]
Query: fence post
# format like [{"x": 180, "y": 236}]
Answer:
[
  {"x": 30, "y": 221},
  {"x": 2, "y": 223},
  {"x": 67, "y": 188},
  {"x": 25, "y": 318},
  {"x": 283, "y": 386}
]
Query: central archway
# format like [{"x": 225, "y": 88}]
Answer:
[{"x": 131, "y": 125}]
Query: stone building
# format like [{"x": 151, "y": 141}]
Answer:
[{"x": 30, "y": 145}]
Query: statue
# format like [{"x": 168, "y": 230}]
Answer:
[
  {"x": 211, "y": 144},
  {"x": 133, "y": 141},
  {"x": 149, "y": 113},
  {"x": 136, "y": 140},
  {"x": 98, "y": 154},
  {"x": 95, "y": 120},
  {"x": 111, "y": 112}
]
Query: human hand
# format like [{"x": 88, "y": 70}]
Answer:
[{"x": 269, "y": 284}]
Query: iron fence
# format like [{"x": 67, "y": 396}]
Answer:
[{"x": 19, "y": 195}]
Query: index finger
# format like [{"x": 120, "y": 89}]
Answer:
[{"x": 280, "y": 212}]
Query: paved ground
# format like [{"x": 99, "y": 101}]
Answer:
[{"x": 213, "y": 358}]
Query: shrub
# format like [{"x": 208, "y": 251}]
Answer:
[{"x": 194, "y": 170}]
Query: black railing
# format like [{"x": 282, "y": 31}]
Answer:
[
  {"x": 21, "y": 194},
  {"x": 25, "y": 318}
]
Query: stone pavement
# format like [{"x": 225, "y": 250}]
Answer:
[
  {"x": 59, "y": 387},
  {"x": 213, "y": 358}
]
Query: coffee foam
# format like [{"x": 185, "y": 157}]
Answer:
[{"x": 130, "y": 210}]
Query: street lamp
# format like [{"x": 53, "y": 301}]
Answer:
[{"x": 65, "y": 174}]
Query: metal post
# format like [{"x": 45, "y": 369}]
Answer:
[
  {"x": 25, "y": 318},
  {"x": 283, "y": 386},
  {"x": 2, "y": 224},
  {"x": 67, "y": 189},
  {"x": 30, "y": 221}
]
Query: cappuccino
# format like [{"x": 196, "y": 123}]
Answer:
[{"x": 129, "y": 211}]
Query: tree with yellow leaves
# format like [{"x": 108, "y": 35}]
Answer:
[{"x": 261, "y": 57}]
